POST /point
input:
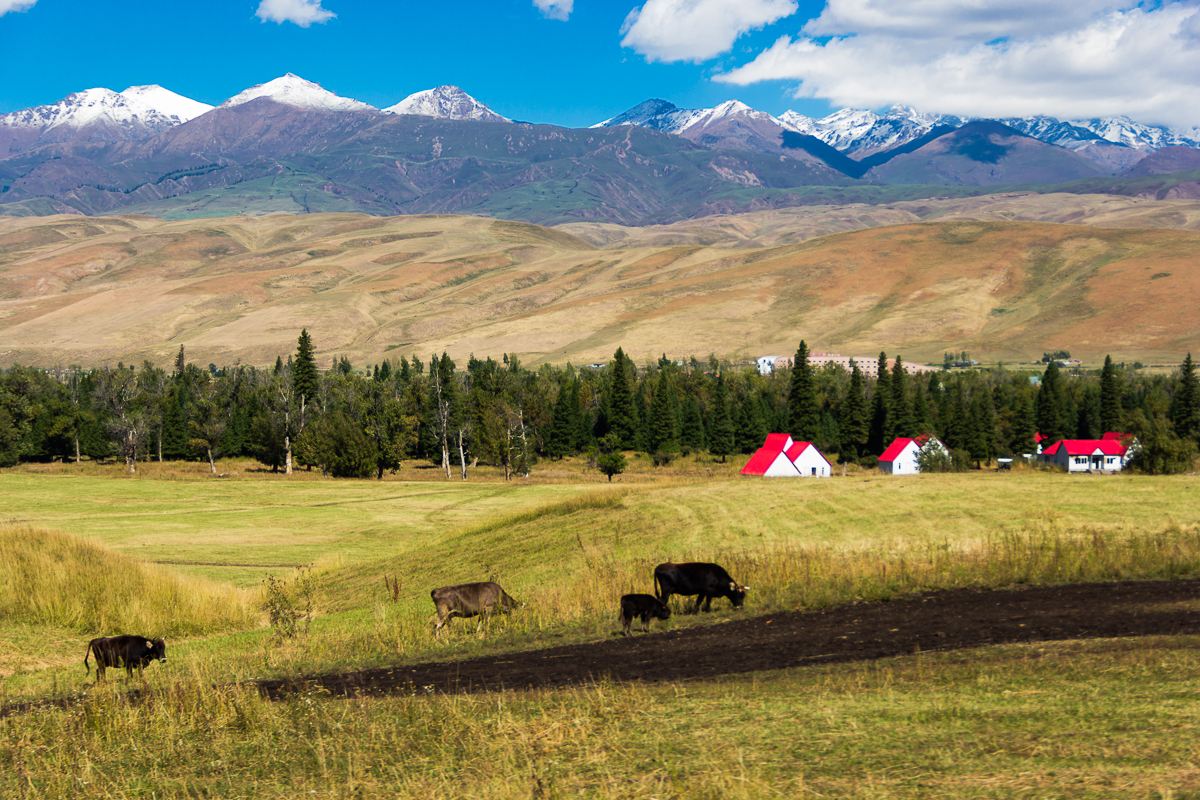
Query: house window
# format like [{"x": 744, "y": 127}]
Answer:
[
  {"x": 814, "y": 470},
  {"x": 1081, "y": 459}
]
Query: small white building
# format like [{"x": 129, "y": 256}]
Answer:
[
  {"x": 902, "y": 456},
  {"x": 782, "y": 457},
  {"x": 1087, "y": 455},
  {"x": 808, "y": 460},
  {"x": 768, "y": 364}
]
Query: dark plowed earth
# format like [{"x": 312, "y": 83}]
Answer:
[{"x": 939, "y": 621}]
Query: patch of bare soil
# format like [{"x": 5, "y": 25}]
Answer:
[{"x": 945, "y": 620}]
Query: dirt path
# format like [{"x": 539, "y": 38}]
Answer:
[{"x": 938, "y": 621}]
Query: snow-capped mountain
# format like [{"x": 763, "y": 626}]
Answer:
[
  {"x": 445, "y": 102},
  {"x": 1137, "y": 135},
  {"x": 292, "y": 90},
  {"x": 661, "y": 115},
  {"x": 149, "y": 108},
  {"x": 860, "y": 133}
]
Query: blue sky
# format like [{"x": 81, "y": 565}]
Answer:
[
  {"x": 505, "y": 52},
  {"x": 575, "y": 62}
]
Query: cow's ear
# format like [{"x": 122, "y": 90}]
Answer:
[
  {"x": 149, "y": 645},
  {"x": 733, "y": 586}
]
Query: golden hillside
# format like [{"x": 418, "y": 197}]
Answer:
[{"x": 89, "y": 290}]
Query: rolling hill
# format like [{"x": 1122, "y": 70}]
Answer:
[{"x": 90, "y": 290}]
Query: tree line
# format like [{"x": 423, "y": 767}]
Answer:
[{"x": 367, "y": 421}]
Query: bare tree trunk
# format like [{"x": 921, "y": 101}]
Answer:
[
  {"x": 462, "y": 455},
  {"x": 524, "y": 444},
  {"x": 287, "y": 459},
  {"x": 212, "y": 465},
  {"x": 160, "y": 434},
  {"x": 77, "y": 456},
  {"x": 131, "y": 452}
]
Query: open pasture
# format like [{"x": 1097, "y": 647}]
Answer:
[{"x": 978, "y": 722}]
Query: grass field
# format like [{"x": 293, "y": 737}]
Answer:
[{"x": 988, "y": 722}]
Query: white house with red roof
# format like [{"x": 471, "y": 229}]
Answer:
[
  {"x": 1108, "y": 454},
  {"x": 782, "y": 457},
  {"x": 902, "y": 456},
  {"x": 808, "y": 460}
]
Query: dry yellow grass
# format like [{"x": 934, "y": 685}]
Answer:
[{"x": 103, "y": 289}]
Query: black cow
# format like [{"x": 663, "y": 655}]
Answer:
[
  {"x": 469, "y": 600},
  {"x": 131, "y": 652},
  {"x": 705, "y": 581},
  {"x": 644, "y": 606}
]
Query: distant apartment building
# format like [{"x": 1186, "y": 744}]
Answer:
[{"x": 868, "y": 365}]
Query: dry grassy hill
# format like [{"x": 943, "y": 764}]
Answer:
[{"x": 940, "y": 275}]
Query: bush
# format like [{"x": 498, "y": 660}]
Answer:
[
  {"x": 290, "y": 603},
  {"x": 338, "y": 445}
]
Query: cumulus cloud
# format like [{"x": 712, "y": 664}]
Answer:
[
  {"x": 300, "y": 12},
  {"x": 695, "y": 30},
  {"x": 989, "y": 59},
  {"x": 15, "y": 5},
  {"x": 555, "y": 9}
]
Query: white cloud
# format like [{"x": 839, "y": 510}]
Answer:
[
  {"x": 695, "y": 30},
  {"x": 15, "y": 5},
  {"x": 555, "y": 9},
  {"x": 301, "y": 12},
  {"x": 1142, "y": 61}
]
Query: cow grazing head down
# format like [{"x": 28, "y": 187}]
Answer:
[{"x": 737, "y": 594}]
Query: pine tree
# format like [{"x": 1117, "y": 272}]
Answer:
[
  {"x": 180, "y": 362},
  {"x": 621, "y": 413},
  {"x": 750, "y": 431},
  {"x": 561, "y": 438},
  {"x": 1185, "y": 405},
  {"x": 304, "y": 374},
  {"x": 877, "y": 438},
  {"x": 1050, "y": 404},
  {"x": 721, "y": 439},
  {"x": 691, "y": 430},
  {"x": 1110, "y": 397},
  {"x": 803, "y": 410},
  {"x": 855, "y": 426},
  {"x": 982, "y": 426},
  {"x": 900, "y": 412},
  {"x": 1024, "y": 425},
  {"x": 663, "y": 431}
]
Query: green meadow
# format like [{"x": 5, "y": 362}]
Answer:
[{"x": 90, "y": 551}]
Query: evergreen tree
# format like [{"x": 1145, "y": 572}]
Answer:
[
  {"x": 855, "y": 425},
  {"x": 750, "y": 430},
  {"x": 560, "y": 440},
  {"x": 663, "y": 432},
  {"x": 1050, "y": 404},
  {"x": 1024, "y": 425},
  {"x": 1185, "y": 404},
  {"x": 721, "y": 438},
  {"x": 304, "y": 369},
  {"x": 620, "y": 412},
  {"x": 1088, "y": 415},
  {"x": 1110, "y": 397},
  {"x": 982, "y": 426},
  {"x": 877, "y": 438},
  {"x": 803, "y": 409},
  {"x": 691, "y": 431},
  {"x": 900, "y": 412}
]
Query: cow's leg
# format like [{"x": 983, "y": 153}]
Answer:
[
  {"x": 626, "y": 623},
  {"x": 99, "y": 670},
  {"x": 699, "y": 600},
  {"x": 708, "y": 602}
]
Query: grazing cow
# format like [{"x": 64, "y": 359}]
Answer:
[
  {"x": 705, "y": 581},
  {"x": 469, "y": 600},
  {"x": 131, "y": 652},
  {"x": 644, "y": 606}
]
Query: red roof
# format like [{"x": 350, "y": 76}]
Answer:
[
  {"x": 1038, "y": 438},
  {"x": 1086, "y": 447},
  {"x": 797, "y": 448},
  {"x": 777, "y": 442},
  {"x": 765, "y": 456},
  {"x": 896, "y": 448}
]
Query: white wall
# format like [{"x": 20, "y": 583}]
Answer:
[{"x": 811, "y": 464}]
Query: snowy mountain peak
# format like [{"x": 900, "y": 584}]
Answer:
[
  {"x": 292, "y": 90},
  {"x": 1137, "y": 135},
  {"x": 445, "y": 102},
  {"x": 149, "y": 108}
]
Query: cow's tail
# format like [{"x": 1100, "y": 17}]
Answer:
[
  {"x": 657, "y": 587},
  {"x": 86, "y": 654}
]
